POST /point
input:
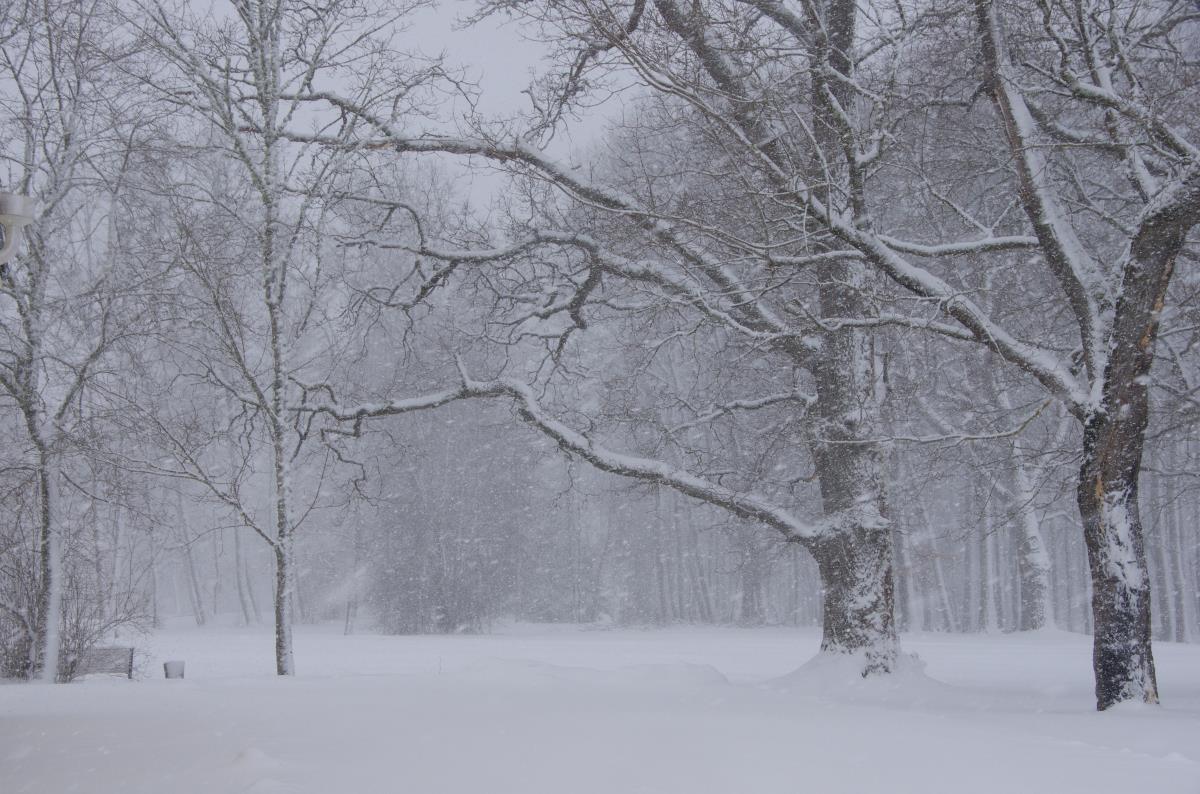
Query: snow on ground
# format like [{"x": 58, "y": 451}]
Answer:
[{"x": 532, "y": 709}]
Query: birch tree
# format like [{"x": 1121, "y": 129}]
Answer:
[
  {"x": 245, "y": 74},
  {"x": 66, "y": 300}
]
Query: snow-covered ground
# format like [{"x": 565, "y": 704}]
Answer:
[{"x": 533, "y": 709}]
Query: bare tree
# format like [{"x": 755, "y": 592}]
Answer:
[
  {"x": 68, "y": 298},
  {"x": 246, "y": 78},
  {"x": 809, "y": 103}
]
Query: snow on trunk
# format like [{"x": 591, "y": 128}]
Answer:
[
  {"x": 49, "y": 623},
  {"x": 1122, "y": 656},
  {"x": 857, "y": 612},
  {"x": 855, "y": 555},
  {"x": 284, "y": 660},
  {"x": 284, "y": 531},
  {"x": 1114, "y": 436}
]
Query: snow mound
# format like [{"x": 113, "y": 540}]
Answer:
[{"x": 838, "y": 676}]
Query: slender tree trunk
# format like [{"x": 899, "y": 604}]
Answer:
[
  {"x": 284, "y": 540},
  {"x": 155, "y": 621},
  {"x": 750, "y": 579},
  {"x": 273, "y": 290},
  {"x": 911, "y": 607},
  {"x": 48, "y": 626},
  {"x": 355, "y": 579},
  {"x": 1183, "y": 621},
  {"x": 194, "y": 591},
  {"x": 1033, "y": 556},
  {"x": 284, "y": 662},
  {"x": 949, "y": 621},
  {"x": 216, "y": 584},
  {"x": 239, "y": 564},
  {"x": 987, "y": 607},
  {"x": 974, "y": 573}
]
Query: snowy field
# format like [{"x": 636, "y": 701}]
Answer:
[{"x": 534, "y": 709}]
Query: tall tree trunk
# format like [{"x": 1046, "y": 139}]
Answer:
[
  {"x": 1179, "y": 594},
  {"x": 1108, "y": 503},
  {"x": 857, "y": 552},
  {"x": 284, "y": 540},
  {"x": 949, "y": 619},
  {"x": 194, "y": 591},
  {"x": 48, "y": 625},
  {"x": 249, "y": 615},
  {"x": 855, "y": 559},
  {"x": 750, "y": 579},
  {"x": 1113, "y": 437},
  {"x": 216, "y": 583},
  {"x": 284, "y": 662},
  {"x": 356, "y": 577},
  {"x": 911, "y": 607},
  {"x": 1033, "y": 556},
  {"x": 155, "y": 621},
  {"x": 193, "y": 581},
  {"x": 987, "y": 582}
]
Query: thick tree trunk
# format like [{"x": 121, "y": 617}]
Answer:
[
  {"x": 854, "y": 558},
  {"x": 1113, "y": 439},
  {"x": 857, "y": 613},
  {"x": 1121, "y": 656},
  {"x": 857, "y": 553}
]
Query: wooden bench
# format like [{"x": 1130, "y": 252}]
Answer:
[{"x": 97, "y": 661}]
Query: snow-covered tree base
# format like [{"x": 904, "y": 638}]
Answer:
[
  {"x": 858, "y": 610},
  {"x": 1122, "y": 654}
]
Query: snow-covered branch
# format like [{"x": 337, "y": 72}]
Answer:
[
  {"x": 805, "y": 400},
  {"x": 745, "y": 505}
]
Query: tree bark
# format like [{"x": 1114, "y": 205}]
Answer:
[
  {"x": 1114, "y": 437},
  {"x": 1033, "y": 556},
  {"x": 855, "y": 559},
  {"x": 857, "y": 612},
  {"x": 1108, "y": 503},
  {"x": 284, "y": 663},
  {"x": 48, "y": 624}
]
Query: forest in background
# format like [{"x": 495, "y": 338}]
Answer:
[{"x": 836, "y": 324}]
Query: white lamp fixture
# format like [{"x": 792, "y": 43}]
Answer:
[{"x": 16, "y": 212}]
